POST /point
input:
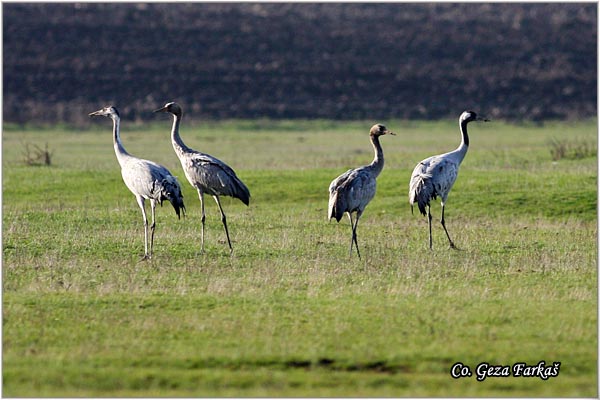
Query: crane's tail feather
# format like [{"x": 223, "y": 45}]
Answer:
[
  {"x": 171, "y": 190},
  {"x": 336, "y": 208},
  {"x": 242, "y": 192},
  {"x": 421, "y": 192}
]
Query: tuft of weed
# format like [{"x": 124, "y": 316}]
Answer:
[
  {"x": 572, "y": 149},
  {"x": 34, "y": 155}
]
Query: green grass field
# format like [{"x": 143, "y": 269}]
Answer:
[{"x": 291, "y": 313}]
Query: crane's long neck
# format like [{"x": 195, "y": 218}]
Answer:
[
  {"x": 461, "y": 151},
  {"x": 178, "y": 144},
  {"x": 377, "y": 164},
  {"x": 120, "y": 151}
]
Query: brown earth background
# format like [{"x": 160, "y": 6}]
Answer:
[{"x": 300, "y": 60}]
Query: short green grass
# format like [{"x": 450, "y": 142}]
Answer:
[{"x": 291, "y": 313}]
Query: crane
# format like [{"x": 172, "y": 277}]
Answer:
[
  {"x": 354, "y": 189},
  {"x": 436, "y": 175},
  {"x": 147, "y": 180},
  {"x": 205, "y": 173}
]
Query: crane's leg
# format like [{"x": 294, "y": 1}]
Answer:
[
  {"x": 153, "y": 208},
  {"x": 429, "y": 217},
  {"x": 140, "y": 201},
  {"x": 224, "y": 221},
  {"x": 358, "y": 215},
  {"x": 351, "y": 227},
  {"x": 354, "y": 226},
  {"x": 201, "y": 197},
  {"x": 446, "y": 230}
]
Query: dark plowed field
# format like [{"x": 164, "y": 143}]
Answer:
[{"x": 344, "y": 61}]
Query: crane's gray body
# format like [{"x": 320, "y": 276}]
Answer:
[
  {"x": 434, "y": 177},
  {"x": 152, "y": 182},
  {"x": 352, "y": 191},
  {"x": 211, "y": 175}
]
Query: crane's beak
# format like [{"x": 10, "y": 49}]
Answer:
[
  {"x": 92, "y": 114},
  {"x": 390, "y": 133},
  {"x": 162, "y": 109}
]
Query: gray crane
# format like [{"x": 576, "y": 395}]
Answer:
[
  {"x": 145, "y": 179},
  {"x": 354, "y": 189},
  {"x": 436, "y": 175},
  {"x": 205, "y": 173}
]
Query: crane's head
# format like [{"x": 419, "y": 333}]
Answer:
[
  {"x": 108, "y": 111},
  {"x": 468, "y": 116},
  {"x": 172, "y": 108},
  {"x": 379, "y": 130}
]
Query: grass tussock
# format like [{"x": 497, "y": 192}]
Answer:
[{"x": 572, "y": 149}]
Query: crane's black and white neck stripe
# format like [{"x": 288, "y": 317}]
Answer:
[{"x": 463, "y": 120}]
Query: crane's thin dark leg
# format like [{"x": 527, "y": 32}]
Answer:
[
  {"x": 446, "y": 230},
  {"x": 140, "y": 201},
  {"x": 429, "y": 218},
  {"x": 224, "y": 220},
  {"x": 153, "y": 208},
  {"x": 358, "y": 214},
  {"x": 353, "y": 225},
  {"x": 201, "y": 197}
]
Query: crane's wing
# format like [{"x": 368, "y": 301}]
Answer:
[
  {"x": 214, "y": 177},
  {"x": 339, "y": 180},
  {"x": 432, "y": 177},
  {"x": 350, "y": 192}
]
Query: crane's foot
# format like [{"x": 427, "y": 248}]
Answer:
[
  {"x": 357, "y": 254},
  {"x": 453, "y": 247},
  {"x": 146, "y": 257}
]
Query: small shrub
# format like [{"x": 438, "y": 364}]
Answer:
[{"x": 35, "y": 155}]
